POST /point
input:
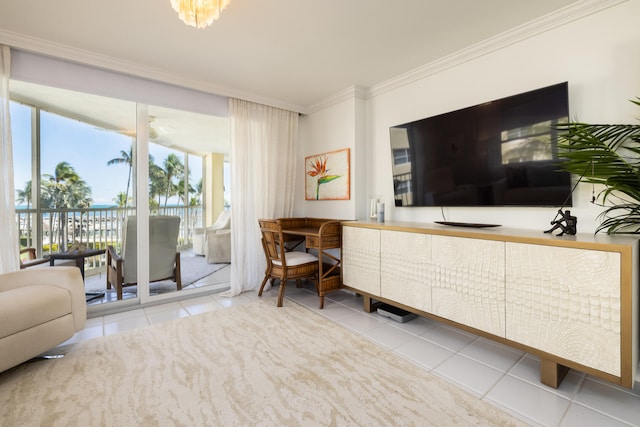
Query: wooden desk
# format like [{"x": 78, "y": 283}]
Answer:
[{"x": 320, "y": 235}]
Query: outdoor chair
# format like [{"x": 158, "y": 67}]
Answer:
[
  {"x": 217, "y": 239},
  {"x": 30, "y": 260},
  {"x": 214, "y": 242},
  {"x": 282, "y": 264},
  {"x": 164, "y": 258},
  {"x": 218, "y": 246}
]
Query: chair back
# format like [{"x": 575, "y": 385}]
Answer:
[
  {"x": 224, "y": 220},
  {"x": 163, "y": 246},
  {"x": 271, "y": 236}
]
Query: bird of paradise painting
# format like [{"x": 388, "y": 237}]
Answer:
[{"x": 327, "y": 176}]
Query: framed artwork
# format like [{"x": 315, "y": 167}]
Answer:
[{"x": 327, "y": 176}]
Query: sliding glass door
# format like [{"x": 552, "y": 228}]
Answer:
[{"x": 81, "y": 183}]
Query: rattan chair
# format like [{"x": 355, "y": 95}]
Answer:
[{"x": 282, "y": 264}]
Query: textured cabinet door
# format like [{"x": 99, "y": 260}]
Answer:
[
  {"x": 361, "y": 259},
  {"x": 469, "y": 282},
  {"x": 405, "y": 268},
  {"x": 566, "y": 302}
]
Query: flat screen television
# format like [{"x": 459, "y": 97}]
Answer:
[{"x": 500, "y": 153}]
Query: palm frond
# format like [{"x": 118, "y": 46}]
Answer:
[
  {"x": 620, "y": 219},
  {"x": 608, "y": 155}
]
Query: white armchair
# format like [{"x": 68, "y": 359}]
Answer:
[
  {"x": 39, "y": 309},
  {"x": 218, "y": 245},
  {"x": 214, "y": 242}
]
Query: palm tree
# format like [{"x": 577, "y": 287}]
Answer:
[
  {"x": 199, "y": 188},
  {"x": 173, "y": 168},
  {"x": 196, "y": 200},
  {"x": 181, "y": 193},
  {"x": 24, "y": 196},
  {"x": 121, "y": 200},
  {"x": 157, "y": 179},
  {"x": 124, "y": 159},
  {"x": 157, "y": 183},
  {"x": 63, "y": 190}
]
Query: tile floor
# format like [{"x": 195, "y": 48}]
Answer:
[{"x": 500, "y": 375}]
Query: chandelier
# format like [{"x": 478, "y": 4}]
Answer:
[{"x": 199, "y": 13}]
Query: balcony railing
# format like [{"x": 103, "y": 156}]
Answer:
[{"x": 52, "y": 231}]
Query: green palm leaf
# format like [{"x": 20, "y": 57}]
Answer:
[{"x": 608, "y": 155}]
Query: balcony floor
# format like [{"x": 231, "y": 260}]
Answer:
[{"x": 196, "y": 273}]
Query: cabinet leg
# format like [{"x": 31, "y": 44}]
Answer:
[
  {"x": 367, "y": 304},
  {"x": 551, "y": 373}
]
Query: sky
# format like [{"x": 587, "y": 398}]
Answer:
[{"x": 85, "y": 147}]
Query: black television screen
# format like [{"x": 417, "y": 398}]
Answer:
[{"x": 500, "y": 153}]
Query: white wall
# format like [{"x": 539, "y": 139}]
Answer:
[
  {"x": 599, "y": 55},
  {"x": 338, "y": 126}
]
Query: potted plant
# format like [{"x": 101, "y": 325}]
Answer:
[{"x": 608, "y": 155}]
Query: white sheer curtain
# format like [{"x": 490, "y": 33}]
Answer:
[
  {"x": 9, "y": 249},
  {"x": 263, "y": 144}
]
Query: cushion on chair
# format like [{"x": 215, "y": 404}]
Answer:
[
  {"x": 26, "y": 307},
  {"x": 163, "y": 244},
  {"x": 297, "y": 258}
]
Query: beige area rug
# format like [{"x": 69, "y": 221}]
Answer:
[{"x": 250, "y": 365}]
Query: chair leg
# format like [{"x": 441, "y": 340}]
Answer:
[
  {"x": 177, "y": 274},
  {"x": 298, "y": 283},
  {"x": 320, "y": 293},
  {"x": 264, "y": 282},
  {"x": 283, "y": 284}
]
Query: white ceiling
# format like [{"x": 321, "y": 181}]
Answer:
[{"x": 288, "y": 53}]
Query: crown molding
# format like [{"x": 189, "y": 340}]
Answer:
[
  {"x": 43, "y": 47},
  {"x": 538, "y": 26},
  {"x": 347, "y": 94}
]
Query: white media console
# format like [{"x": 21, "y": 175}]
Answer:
[{"x": 570, "y": 300}]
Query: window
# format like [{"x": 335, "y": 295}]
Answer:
[
  {"x": 83, "y": 169},
  {"x": 401, "y": 155}
]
